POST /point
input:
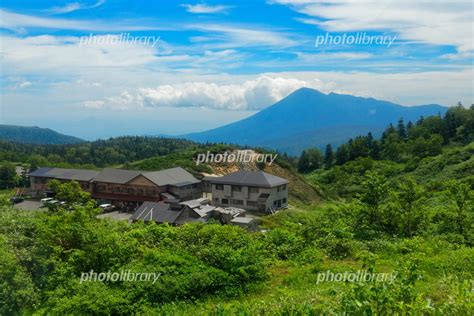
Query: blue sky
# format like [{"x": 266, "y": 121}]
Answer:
[{"x": 99, "y": 68}]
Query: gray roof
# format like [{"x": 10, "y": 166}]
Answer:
[
  {"x": 116, "y": 175},
  {"x": 204, "y": 210},
  {"x": 159, "y": 212},
  {"x": 250, "y": 178},
  {"x": 174, "y": 176},
  {"x": 65, "y": 174},
  {"x": 169, "y": 198},
  {"x": 195, "y": 203},
  {"x": 242, "y": 220}
]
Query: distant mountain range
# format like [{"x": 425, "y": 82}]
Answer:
[
  {"x": 309, "y": 118},
  {"x": 35, "y": 135}
]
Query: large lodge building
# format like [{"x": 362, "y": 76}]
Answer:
[
  {"x": 128, "y": 189},
  {"x": 123, "y": 187}
]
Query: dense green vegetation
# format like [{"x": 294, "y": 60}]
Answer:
[
  {"x": 408, "y": 144},
  {"x": 100, "y": 153},
  {"x": 403, "y": 206},
  {"x": 226, "y": 270}
]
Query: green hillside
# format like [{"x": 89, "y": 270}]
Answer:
[{"x": 35, "y": 135}]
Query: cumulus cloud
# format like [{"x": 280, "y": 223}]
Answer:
[{"x": 250, "y": 95}]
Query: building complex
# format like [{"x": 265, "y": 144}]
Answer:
[{"x": 160, "y": 194}]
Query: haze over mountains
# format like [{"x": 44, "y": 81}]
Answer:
[
  {"x": 309, "y": 118},
  {"x": 35, "y": 135},
  {"x": 306, "y": 118}
]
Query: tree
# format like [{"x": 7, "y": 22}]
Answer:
[
  {"x": 71, "y": 193},
  {"x": 410, "y": 196},
  {"x": 389, "y": 131},
  {"x": 401, "y": 129},
  {"x": 311, "y": 159},
  {"x": 375, "y": 150},
  {"x": 375, "y": 191},
  {"x": 358, "y": 148},
  {"x": 392, "y": 147},
  {"x": 370, "y": 140},
  {"x": 8, "y": 177},
  {"x": 342, "y": 154},
  {"x": 460, "y": 195},
  {"x": 17, "y": 291},
  {"x": 316, "y": 158},
  {"x": 420, "y": 121},
  {"x": 329, "y": 156},
  {"x": 303, "y": 162}
]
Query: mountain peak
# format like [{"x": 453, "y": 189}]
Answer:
[
  {"x": 309, "y": 118},
  {"x": 306, "y": 91}
]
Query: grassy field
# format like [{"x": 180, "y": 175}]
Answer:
[{"x": 435, "y": 275}]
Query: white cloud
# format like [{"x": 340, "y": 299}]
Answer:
[
  {"x": 17, "y": 22},
  {"x": 74, "y": 6},
  {"x": 305, "y": 58},
  {"x": 202, "y": 8},
  {"x": 231, "y": 36},
  {"x": 430, "y": 22},
  {"x": 69, "y": 7},
  {"x": 217, "y": 35},
  {"x": 17, "y": 83},
  {"x": 94, "y": 104},
  {"x": 258, "y": 93},
  {"x": 51, "y": 54},
  {"x": 253, "y": 94}
]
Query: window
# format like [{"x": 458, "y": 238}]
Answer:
[
  {"x": 278, "y": 188},
  {"x": 236, "y": 188},
  {"x": 283, "y": 201},
  {"x": 253, "y": 189},
  {"x": 237, "y": 202},
  {"x": 131, "y": 191},
  {"x": 216, "y": 200},
  {"x": 252, "y": 203},
  {"x": 219, "y": 187},
  {"x": 284, "y": 187},
  {"x": 225, "y": 201}
]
